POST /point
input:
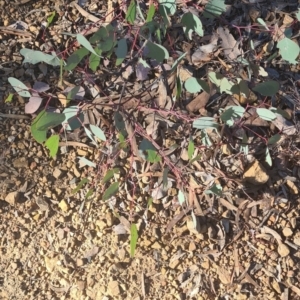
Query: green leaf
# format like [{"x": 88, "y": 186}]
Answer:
[
  {"x": 72, "y": 118},
  {"x": 109, "y": 174},
  {"x": 181, "y": 197},
  {"x": 178, "y": 88},
  {"x": 231, "y": 113},
  {"x": 121, "y": 51},
  {"x": 19, "y": 87},
  {"x": 52, "y": 144},
  {"x": 177, "y": 61},
  {"x": 9, "y": 98},
  {"x": 205, "y": 139},
  {"x": 94, "y": 60},
  {"x": 98, "y": 132},
  {"x": 165, "y": 177},
  {"x": 268, "y": 158},
  {"x": 205, "y": 122},
  {"x": 156, "y": 51},
  {"x": 169, "y": 6},
  {"x": 34, "y": 57},
  {"x": 191, "y": 148},
  {"x": 191, "y": 23},
  {"x": 90, "y": 135},
  {"x": 151, "y": 12},
  {"x": 266, "y": 114},
  {"x": 120, "y": 124},
  {"x": 50, "y": 18},
  {"x": 262, "y": 22},
  {"x": 80, "y": 185},
  {"x": 152, "y": 155},
  {"x": 214, "y": 8},
  {"x": 194, "y": 85},
  {"x": 216, "y": 189},
  {"x": 85, "y": 162},
  {"x": 267, "y": 88},
  {"x": 89, "y": 193},
  {"x": 226, "y": 86},
  {"x": 288, "y": 50},
  {"x": 163, "y": 11},
  {"x": 71, "y": 95},
  {"x": 133, "y": 239},
  {"x": 131, "y": 12},
  {"x": 76, "y": 58},
  {"x": 111, "y": 191},
  {"x": 274, "y": 139},
  {"x": 39, "y": 135},
  {"x": 85, "y": 43},
  {"x": 49, "y": 120}
]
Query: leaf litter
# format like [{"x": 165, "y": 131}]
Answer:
[{"x": 160, "y": 110}]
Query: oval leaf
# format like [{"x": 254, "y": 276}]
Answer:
[
  {"x": 19, "y": 87},
  {"x": 156, "y": 51},
  {"x": 133, "y": 239},
  {"x": 267, "y": 88},
  {"x": 266, "y": 114},
  {"x": 191, "y": 23},
  {"x": 52, "y": 144},
  {"x": 98, "y": 132},
  {"x": 111, "y": 191},
  {"x": 121, "y": 51},
  {"x": 85, "y": 43},
  {"x": 131, "y": 12},
  {"x": 49, "y": 120},
  {"x": 33, "y": 104}
]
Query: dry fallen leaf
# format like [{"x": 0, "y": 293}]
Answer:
[
  {"x": 229, "y": 44},
  {"x": 198, "y": 102}
]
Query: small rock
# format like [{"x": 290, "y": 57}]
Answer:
[
  {"x": 297, "y": 240},
  {"x": 192, "y": 246},
  {"x": 20, "y": 163},
  {"x": 76, "y": 172},
  {"x": 80, "y": 262},
  {"x": 12, "y": 198},
  {"x": 63, "y": 205},
  {"x": 113, "y": 288},
  {"x": 50, "y": 263},
  {"x": 287, "y": 231},
  {"x": 173, "y": 264},
  {"x": 57, "y": 173},
  {"x": 81, "y": 285},
  {"x": 156, "y": 245},
  {"x": 292, "y": 186},
  {"x": 283, "y": 250},
  {"x": 33, "y": 165},
  {"x": 256, "y": 174},
  {"x": 101, "y": 224},
  {"x": 184, "y": 155},
  {"x": 82, "y": 152}
]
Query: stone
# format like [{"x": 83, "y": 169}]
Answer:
[
  {"x": 283, "y": 250},
  {"x": 156, "y": 245},
  {"x": 63, "y": 205},
  {"x": 12, "y": 198},
  {"x": 256, "y": 173},
  {"x": 50, "y": 263},
  {"x": 57, "y": 173},
  {"x": 287, "y": 231},
  {"x": 20, "y": 163},
  {"x": 113, "y": 288}
]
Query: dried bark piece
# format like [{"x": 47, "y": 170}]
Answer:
[
  {"x": 229, "y": 44},
  {"x": 256, "y": 174}
]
